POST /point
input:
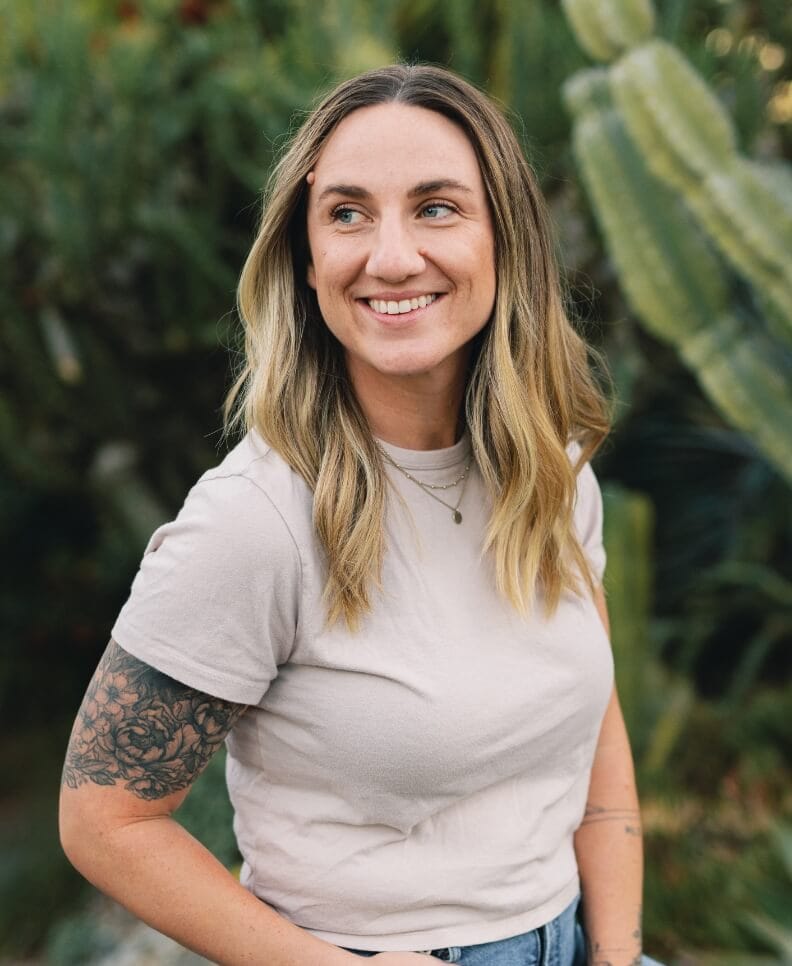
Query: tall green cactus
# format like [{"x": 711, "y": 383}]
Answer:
[
  {"x": 659, "y": 158},
  {"x": 688, "y": 143},
  {"x": 628, "y": 579}
]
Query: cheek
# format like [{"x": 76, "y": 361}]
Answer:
[
  {"x": 332, "y": 273},
  {"x": 488, "y": 271},
  {"x": 479, "y": 257}
]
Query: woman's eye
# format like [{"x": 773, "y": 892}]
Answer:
[
  {"x": 346, "y": 216},
  {"x": 437, "y": 211}
]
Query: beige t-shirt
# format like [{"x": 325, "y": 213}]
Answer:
[{"x": 415, "y": 785}]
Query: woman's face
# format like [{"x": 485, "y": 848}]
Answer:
[{"x": 402, "y": 244}]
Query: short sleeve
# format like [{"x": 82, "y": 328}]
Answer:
[
  {"x": 215, "y": 602},
  {"x": 588, "y": 514}
]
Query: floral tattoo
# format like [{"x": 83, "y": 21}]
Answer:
[{"x": 139, "y": 726}]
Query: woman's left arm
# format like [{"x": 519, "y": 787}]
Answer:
[{"x": 609, "y": 844}]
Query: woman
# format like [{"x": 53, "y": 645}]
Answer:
[{"x": 388, "y": 595}]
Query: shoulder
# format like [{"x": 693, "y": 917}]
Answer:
[
  {"x": 586, "y": 478},
  {"x": 574, "y": 451},
  {"x": 216, "y": 601},
  {"x": 254, "y": 465},
  {"x": 238, "y": 532},
  {"x": 251, "y": 496}
]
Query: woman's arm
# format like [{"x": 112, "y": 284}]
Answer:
[
  {"x": 139, "y": 741},
  {"x": 609, "y": 845}
]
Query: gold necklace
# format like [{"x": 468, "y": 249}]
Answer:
[{"x": 428, "y": 487}]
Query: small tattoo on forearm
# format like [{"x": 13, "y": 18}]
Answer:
[
  {"x": 139, "y": 727},
  {"x": 596, "y": 813},
  {"x": 600, "y": 955},
  {"x": 611, "y": 960}
]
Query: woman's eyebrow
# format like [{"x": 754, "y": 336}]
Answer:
[
  {"x": 349, "y": 190},
  {"x": 440, "y": 184},
  {"x": 424, "y": 188}
]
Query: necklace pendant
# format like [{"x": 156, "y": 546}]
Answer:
[{"x": 457, "y": 516}]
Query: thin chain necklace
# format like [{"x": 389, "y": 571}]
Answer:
[{"x": 429, "y": 487}]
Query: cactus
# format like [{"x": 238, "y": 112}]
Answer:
[
  {"x": 659, "y": 158},
  {"x": 607, "y": 27},
  {"x": 673, "y": 281},
  {"x": 628, "y": 579},
  {"x": 688, "y": 143}
]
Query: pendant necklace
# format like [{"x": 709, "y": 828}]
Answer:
[{"x": 429, "y": 487}]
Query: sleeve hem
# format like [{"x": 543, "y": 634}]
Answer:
[{"x": 187, "y": 672}]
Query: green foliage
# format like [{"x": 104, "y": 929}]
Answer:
[
  {"x": 37, "y": 883},
  {"x": 774, "y": 923},
  {"x": 77, "y": 939},
  {"x": 716, "y": 860}
]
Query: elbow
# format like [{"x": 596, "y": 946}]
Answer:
[
  {"x": 101, "y": 831},
  {"x": 85, "y": 830},
  {"x": 75, "y": 831}
]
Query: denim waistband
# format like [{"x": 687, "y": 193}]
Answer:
[{"x": 552, "y": 944}]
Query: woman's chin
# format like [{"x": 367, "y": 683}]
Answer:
[{"x": 413, "y": 364}]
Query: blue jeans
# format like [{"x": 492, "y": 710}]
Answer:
[{"x": 557, "y": 943}]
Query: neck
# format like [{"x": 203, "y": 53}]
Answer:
[{"x": 412, "y": 412}]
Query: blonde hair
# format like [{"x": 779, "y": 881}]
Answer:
[{"x": 530, "y": 390}]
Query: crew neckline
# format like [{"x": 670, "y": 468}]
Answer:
[{"x": 428, "y": 459}]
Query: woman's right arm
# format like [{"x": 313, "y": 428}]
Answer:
[{"x": 139, "y": 741}]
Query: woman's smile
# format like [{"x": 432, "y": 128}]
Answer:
[{"x": 396, "y": 310}]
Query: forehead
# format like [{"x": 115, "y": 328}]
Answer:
[{"x": 397, "y": 145}]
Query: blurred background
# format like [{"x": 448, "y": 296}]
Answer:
[{"x": 134, "y": 140}]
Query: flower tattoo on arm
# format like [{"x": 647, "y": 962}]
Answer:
[{"x": 142, "y": 728}]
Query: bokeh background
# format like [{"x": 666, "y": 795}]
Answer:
[{"x": 134, "y": 140}]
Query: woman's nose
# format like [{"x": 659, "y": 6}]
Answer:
[{"x": 395, "y": 255}]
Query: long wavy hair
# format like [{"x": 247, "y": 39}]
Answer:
[{"x": 530, "y": 390}]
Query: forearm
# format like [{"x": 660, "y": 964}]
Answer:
[
  {"x": 165, "y": 877},
  {"x": 609, "y": 851}
]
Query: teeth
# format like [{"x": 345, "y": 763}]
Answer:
[{"x": 404, "y": 305}]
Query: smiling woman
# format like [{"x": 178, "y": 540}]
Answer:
[{"x": 387, "y": 597}]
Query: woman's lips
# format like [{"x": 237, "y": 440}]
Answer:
[{"x": 396, "y": 319}]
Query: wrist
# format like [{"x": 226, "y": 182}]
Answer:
[{"x": 598, "y": 954}]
